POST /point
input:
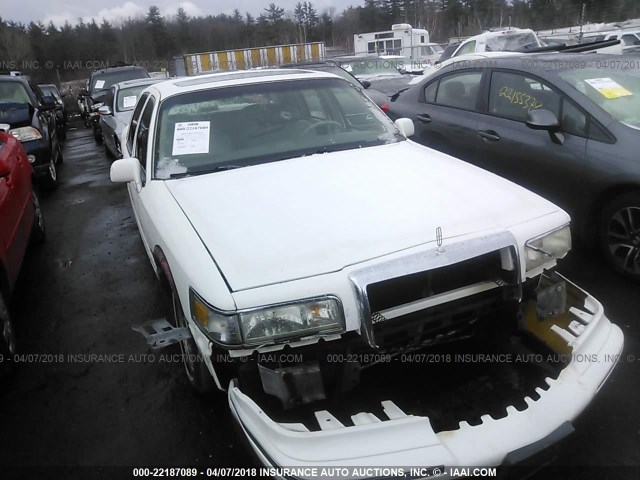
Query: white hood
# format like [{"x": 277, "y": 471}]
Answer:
[{"x": 312, "y": 215}]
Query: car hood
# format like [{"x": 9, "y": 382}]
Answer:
[
  {"x": 313, "y": 215},
  {"x": 16, "y": 114}
]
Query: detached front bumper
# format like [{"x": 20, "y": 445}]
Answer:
[{"x": 408, "y": 440}]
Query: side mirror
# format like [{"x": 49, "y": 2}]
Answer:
[
  {"x": 104, "y": 110},
  {"x": 127, "y": 170},
  {"x": 405, "y": 125},
  {"x": 48, "y": 102},
  {"x": 365, "y": 83},
  {"x": 545, "y": 120}
]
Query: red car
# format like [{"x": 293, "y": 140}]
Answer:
[{"x": 20, "y": 221}]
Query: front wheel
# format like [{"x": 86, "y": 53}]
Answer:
[
  {"x": 620, "y": 234},
  {"x": 97, "y": 135},
  {"x": 51, "y": 180},
  {"x": 194, "y": 366}
]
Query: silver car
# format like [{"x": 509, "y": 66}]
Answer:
[{"x": 116, "y": 112}]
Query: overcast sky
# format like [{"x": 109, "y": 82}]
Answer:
[{"x": 60, "y": 10}]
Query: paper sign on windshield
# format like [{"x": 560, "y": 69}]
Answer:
[
  {"x": 129, "y": 101},
  {"x": 608, "y": 88},
  {"x": 190, "y": 138},
  {"x": 99, "y": 84}
]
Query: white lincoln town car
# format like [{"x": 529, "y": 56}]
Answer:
[{"x": 361, "y": 299}]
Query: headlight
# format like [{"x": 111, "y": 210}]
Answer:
[
  {"x": 292, "y": 320},
  {"x": 96, "y": 106},
  {"x": 543, "y": 249},
  {"x": 269, "y": 324},
  {"x": 24, "y": 134}
]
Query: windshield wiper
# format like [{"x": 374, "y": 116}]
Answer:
[{"x": 219, "y": 168}]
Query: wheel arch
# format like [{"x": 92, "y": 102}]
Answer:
[
  {"x": 164, "y": 270},
  {"x": 606, "y": 196}
]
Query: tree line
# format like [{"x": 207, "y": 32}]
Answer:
[{"x": 67, "y": 52}]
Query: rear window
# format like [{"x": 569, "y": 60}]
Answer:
[
  {"x": 104, "y": 81},
  {"x": 127, "y": 97}
]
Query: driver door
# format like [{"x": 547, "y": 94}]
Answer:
[{"x": 139, "y": 145}]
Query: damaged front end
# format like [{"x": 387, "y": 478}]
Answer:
[{"x": 460, "y": 363}]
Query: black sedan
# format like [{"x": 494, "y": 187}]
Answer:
[
  {"x": 30, "y": 116},
  {"x": 61, "y": 112},
  {"x": 566, "y": 126}
]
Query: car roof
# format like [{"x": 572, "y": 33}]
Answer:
[
  {"x": 553, "y": 61},
  {"x": 13, "y": 78},
  {"x": 119, "y": 68},
  {"x": 175, "y": 86}
]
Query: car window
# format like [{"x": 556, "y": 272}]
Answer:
[
  {"x": 104, "y": 80},
  {"x": 573, "y": 120},
  {"x": 127, "y": 97},
  {"x": 13, "y": 92},
  {"x": 513, "y": 95},
  {"x": 266, "y": 122},
  {"x": 430, "y": 92},
  {"x": 134, "y": 121},
  {"x": 459, "y": 90},
  {"x": 615, "y": 90},
  {"x": 142, "y": 133},
  {"x": 467, "y": 48},
  {"x": 630, "y": 39}
]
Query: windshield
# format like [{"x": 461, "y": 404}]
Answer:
[
  {"x": 104, "y": 81},
  {"x": 512, "y": 42},
  {"x": 368, "y": 67},
  {"x": 127, "y": 97},
  {"x": 616, "y": 91},
  {"x": 13, "y": 92},
  {"x": 50, "y": 90},
  {"x": 203, "y": 131}
]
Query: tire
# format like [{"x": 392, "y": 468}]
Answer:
[
  {"x": 39, "y": 229},
  {"x": 50, "y": 182},
  {"x": 108, "y": 152},
  {"x": 97, "y": 136},
  {"x": 7, "y": 341},
  {"x": 620, "y": 234},
  {"x": 194, "y": 366}
]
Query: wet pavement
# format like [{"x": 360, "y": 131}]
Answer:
[{"x": 88, "y": 392}]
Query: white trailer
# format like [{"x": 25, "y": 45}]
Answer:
[{"x": 402, "y": 40}]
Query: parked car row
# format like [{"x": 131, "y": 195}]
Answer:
[
  {"x": 284, "y": 213},
  {"x": 35, "y": 119},
  {"x": 98, "y": 87}
]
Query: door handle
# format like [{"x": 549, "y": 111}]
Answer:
[
  {"x": 424, "y": 117},
  {"x": 489, "y": 135}
]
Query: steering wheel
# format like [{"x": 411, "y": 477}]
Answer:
[{"x": 313, "y": 126}]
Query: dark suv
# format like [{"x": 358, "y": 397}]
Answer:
[
  {"x": 99, "y": 84},
  {"x": 30, "y": 116}
]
